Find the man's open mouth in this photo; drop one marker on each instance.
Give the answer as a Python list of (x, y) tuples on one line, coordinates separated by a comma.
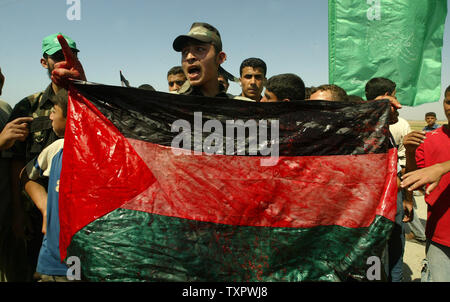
[(193, 71)]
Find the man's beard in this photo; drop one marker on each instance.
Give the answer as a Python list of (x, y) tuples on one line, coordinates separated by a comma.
[(49, 71)]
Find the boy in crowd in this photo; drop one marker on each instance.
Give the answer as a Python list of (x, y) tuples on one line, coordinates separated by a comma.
[(284, 88), (48, 164), (430, 118)]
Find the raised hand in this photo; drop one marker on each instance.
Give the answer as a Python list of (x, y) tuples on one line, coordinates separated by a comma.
[(395, 105), (413, 139), (70, 68)]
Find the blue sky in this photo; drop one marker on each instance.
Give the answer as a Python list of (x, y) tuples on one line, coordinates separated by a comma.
[(136, 36)]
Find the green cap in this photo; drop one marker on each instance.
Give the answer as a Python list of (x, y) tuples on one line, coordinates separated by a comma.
[(50, 44), (202, 32)]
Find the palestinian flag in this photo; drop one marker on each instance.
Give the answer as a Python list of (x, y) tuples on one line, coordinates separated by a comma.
[(137, 202)]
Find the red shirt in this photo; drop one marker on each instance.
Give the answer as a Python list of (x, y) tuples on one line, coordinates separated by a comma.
[(436, 149)]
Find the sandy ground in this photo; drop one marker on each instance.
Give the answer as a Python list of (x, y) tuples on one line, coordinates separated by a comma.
[(414, 252)]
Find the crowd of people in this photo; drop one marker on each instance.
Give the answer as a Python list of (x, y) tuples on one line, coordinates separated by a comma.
[(32, 138)]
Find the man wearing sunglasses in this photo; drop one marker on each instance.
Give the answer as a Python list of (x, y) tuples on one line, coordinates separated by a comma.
[(27, 220)]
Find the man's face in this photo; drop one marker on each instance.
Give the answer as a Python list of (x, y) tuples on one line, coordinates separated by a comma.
[(2, 80), (200, 62), (447, 106), (176, 81), (252, 82), (431, 120), (324, 95), (58, 121), (269, 97)]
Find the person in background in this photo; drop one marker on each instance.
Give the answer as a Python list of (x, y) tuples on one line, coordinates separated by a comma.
[(328, 93), (147, 87), (284, 88), (430, 118), (399, 130), (223, 81), (378, 89), (252, 79), (175, 78)]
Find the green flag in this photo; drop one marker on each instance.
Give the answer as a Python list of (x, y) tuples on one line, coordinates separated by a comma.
[(396, 39)]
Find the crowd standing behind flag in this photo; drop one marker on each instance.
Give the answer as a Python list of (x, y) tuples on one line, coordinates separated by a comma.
[(199, 75)]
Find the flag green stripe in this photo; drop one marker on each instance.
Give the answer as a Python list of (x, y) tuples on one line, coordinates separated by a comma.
[(127, 245)]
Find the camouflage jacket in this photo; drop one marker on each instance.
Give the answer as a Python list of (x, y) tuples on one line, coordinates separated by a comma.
[(38, 106), (187, 89)]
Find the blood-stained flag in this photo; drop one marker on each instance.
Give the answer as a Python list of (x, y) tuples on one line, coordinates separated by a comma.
[(144, 199)]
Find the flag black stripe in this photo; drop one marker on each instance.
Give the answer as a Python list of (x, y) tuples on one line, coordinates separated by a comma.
[(305, 127)]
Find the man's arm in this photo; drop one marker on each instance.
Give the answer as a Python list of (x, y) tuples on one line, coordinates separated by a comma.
[(18, 211), (411, 142), (38, 195), (429, 175)]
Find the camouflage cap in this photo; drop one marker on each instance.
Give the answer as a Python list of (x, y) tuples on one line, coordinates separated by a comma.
[(50, 44), (202, 32)]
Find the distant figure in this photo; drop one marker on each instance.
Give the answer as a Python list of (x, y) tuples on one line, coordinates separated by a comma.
[(175, 78), (147, 87), (430, 118), (328, 93), (284, 88)]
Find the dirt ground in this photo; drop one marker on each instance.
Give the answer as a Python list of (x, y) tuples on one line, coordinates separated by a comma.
[(414, 252)]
